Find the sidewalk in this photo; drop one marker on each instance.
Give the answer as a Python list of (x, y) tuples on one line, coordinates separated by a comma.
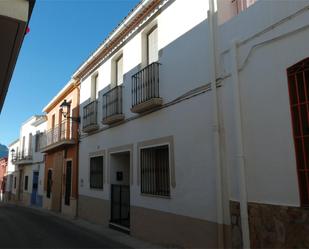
[(101, 230)]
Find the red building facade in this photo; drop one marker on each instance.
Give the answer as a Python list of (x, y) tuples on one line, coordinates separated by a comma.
[(3, 166)]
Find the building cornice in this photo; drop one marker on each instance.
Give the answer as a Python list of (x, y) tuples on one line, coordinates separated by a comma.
[(14, 142), (68, 88), (119, 35)]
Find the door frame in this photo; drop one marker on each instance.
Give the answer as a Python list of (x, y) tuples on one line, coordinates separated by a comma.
[(118, 150), (32, 192), (65, 180)]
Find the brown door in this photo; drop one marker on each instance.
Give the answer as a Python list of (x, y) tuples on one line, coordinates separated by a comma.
[(57, 181)]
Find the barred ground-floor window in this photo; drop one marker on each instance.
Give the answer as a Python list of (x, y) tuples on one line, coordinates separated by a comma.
[(96, 172), (155, 172)]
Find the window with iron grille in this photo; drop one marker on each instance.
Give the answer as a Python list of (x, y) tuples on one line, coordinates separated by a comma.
[(298, 80), (26, 182), (155, 177), (96, 172)]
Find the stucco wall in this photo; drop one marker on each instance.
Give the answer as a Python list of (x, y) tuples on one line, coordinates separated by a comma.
[(267, 128)]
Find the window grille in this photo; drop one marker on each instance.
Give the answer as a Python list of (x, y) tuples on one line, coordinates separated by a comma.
[(298, 81), (96, 172), (155, 177)]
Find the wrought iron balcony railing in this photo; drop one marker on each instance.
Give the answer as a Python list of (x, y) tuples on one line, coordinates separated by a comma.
[(112, 106), (61, 132), (145, 88), (25, 155), (90, 117)]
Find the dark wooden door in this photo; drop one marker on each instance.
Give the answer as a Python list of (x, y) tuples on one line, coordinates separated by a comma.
[(68, 183)]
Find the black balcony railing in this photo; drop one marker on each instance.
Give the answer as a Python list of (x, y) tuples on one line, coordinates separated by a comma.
[(61, 132), (90, 114), (112, 102), (25, 155), (145, 84)]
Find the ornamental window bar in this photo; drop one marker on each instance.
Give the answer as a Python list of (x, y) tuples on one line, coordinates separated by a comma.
[(145, 84), (90, 114), (155, 176), (298, 82), (96, 172), (112, 102)]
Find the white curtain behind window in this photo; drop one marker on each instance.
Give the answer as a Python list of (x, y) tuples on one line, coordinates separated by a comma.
[(152, 46)]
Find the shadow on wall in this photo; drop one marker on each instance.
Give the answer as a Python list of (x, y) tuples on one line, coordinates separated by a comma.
[(182, 68)]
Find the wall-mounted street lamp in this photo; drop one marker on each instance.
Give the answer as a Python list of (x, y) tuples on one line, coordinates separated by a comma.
[(12, 153), (65, 107)]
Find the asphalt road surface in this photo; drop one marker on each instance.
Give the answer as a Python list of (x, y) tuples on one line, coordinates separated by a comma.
[(29, 228)]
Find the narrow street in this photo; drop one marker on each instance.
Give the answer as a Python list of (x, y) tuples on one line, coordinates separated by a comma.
[(28, 228)]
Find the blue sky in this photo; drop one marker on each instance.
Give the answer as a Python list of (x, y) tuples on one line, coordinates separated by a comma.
[(63, 33)]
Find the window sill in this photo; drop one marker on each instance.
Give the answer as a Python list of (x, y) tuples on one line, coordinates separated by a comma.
[(157, 196), (96, 189)]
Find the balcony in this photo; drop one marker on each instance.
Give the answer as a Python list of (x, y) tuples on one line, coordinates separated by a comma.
[(61, 135), (145, 89), (23, 157), (90, 116), (112, 106)]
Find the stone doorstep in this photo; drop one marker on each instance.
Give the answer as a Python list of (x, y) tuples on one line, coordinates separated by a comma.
[(109, 233)]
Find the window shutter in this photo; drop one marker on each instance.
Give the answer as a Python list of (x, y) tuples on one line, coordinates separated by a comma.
[(119, 70), (152, 42)]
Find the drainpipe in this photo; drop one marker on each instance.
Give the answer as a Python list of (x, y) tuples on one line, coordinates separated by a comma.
[(240, 158), (216, 128), (77, 151)]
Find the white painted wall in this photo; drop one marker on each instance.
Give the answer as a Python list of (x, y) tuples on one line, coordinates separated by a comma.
[(14, 146), (183, 45), (30, 127), (11, 166), (194, 192), (183, 54), (120, 162), (268, 136), (33, 125), (169, 31)]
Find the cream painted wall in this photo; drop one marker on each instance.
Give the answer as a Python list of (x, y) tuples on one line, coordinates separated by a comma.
[(71, 96)]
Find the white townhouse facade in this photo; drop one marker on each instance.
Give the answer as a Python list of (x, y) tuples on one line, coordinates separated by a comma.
[(28, 177), (140, 124), (9, 187), (194, 124)]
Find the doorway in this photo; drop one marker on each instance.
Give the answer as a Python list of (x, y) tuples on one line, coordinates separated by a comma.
[(120, 189), (57, 181), (35, 181), (68, 183), (20, 192)]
